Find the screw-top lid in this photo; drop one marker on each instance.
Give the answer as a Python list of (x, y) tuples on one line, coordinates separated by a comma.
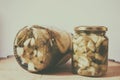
[(90, 28)]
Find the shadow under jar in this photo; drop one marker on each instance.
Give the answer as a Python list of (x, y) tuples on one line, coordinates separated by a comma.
[(90, 51)]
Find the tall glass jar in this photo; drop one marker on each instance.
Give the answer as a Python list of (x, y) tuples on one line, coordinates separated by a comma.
[(90, 51)]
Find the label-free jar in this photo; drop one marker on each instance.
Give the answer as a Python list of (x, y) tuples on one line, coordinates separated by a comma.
[(40, 49), (90, 51)]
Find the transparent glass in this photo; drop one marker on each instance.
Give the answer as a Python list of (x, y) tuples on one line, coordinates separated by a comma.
[(39, 49), (90, 53)]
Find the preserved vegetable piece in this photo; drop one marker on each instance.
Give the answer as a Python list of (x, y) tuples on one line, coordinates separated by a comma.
[(19, 51), (90, 51), (83, 62), (91, 45)]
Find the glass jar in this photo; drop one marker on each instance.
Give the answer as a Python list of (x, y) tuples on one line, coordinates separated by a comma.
[(90, 51), (40, 49)]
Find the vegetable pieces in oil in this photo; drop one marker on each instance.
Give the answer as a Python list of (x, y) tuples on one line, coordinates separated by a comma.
[(90, 54)]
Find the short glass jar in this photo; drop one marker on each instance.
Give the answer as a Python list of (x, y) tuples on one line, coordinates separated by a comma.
[(40, 49), (90, 51)]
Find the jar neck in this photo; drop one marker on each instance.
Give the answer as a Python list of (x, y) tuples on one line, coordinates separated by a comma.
[(99, 33)]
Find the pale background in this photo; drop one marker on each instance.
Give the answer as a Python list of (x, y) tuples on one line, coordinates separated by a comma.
[(64, 14)]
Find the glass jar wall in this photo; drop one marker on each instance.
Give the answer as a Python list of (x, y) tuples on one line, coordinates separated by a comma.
[(90, 51)]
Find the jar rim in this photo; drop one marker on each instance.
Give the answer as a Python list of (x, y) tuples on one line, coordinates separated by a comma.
[(90, 28)]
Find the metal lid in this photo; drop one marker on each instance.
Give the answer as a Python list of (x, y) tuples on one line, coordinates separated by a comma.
[(90, 28)]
